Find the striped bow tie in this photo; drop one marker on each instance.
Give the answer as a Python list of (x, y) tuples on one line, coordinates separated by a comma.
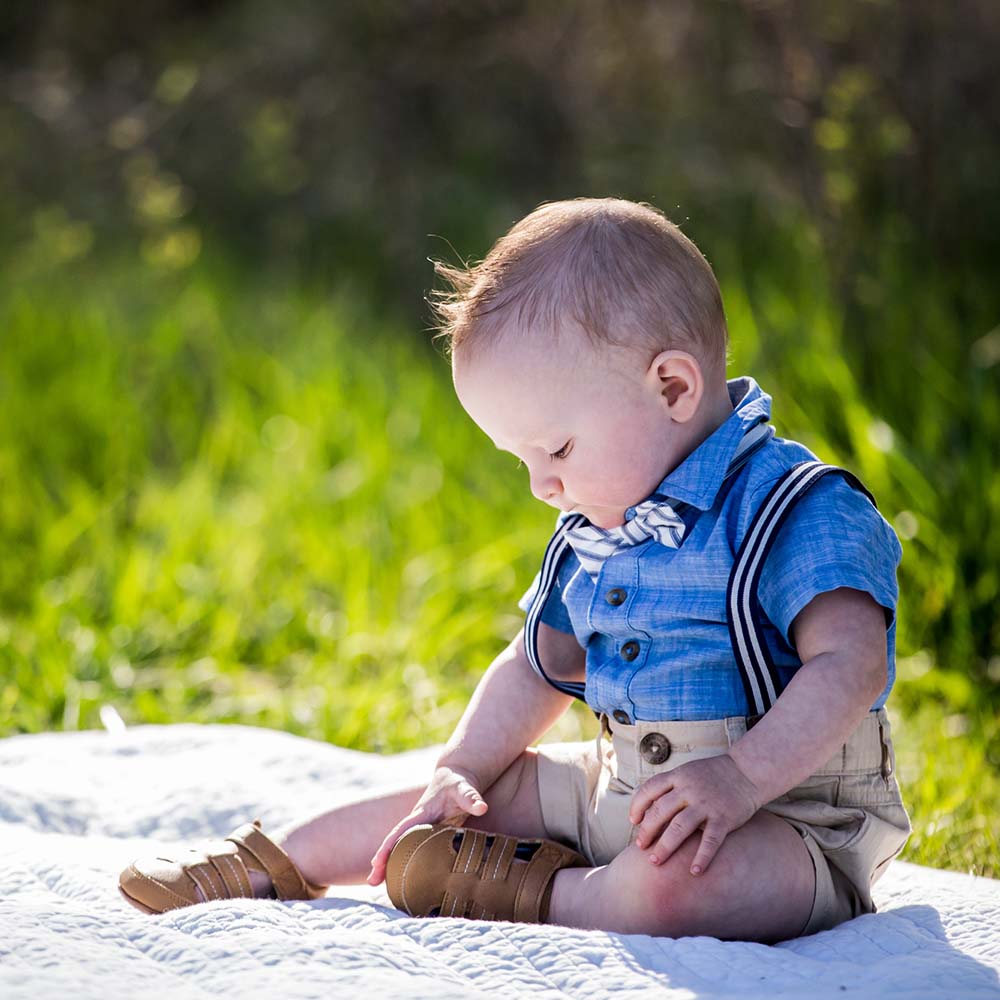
[(654, 518)]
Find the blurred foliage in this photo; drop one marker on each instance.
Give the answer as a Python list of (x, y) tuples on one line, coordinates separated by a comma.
[(223, 504), (339, 135), (327, 141), (246, 501), (234, 484)]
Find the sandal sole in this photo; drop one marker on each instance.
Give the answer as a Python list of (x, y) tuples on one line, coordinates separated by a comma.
[(139, 906)]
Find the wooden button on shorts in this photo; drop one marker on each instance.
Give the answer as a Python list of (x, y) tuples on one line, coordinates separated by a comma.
[(849, 813)]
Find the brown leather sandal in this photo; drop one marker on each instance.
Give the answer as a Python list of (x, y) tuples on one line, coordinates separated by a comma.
[(219, 868), (447, 871)]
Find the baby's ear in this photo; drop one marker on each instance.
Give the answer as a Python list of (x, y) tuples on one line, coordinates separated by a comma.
[(677, 377)]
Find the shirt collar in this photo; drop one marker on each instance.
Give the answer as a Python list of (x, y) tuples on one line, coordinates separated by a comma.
[(697, 480)]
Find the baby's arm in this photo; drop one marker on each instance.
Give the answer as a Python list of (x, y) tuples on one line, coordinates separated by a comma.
[(840, 637), (511, 708)]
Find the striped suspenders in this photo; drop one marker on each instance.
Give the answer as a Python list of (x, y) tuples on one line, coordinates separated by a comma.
[(760, 676), (554, 553)]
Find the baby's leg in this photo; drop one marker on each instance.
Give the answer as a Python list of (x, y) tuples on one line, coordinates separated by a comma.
[(759, 888), (335, 848)]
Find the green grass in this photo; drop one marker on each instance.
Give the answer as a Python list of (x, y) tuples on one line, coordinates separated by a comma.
[(232, 500)]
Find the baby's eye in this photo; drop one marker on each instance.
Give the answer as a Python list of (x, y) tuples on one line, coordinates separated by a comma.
[(563, 451)]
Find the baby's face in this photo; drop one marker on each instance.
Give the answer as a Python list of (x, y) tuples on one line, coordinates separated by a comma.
[(589, 423)]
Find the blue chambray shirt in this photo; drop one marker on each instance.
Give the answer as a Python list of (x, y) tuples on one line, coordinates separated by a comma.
[(675, 605)]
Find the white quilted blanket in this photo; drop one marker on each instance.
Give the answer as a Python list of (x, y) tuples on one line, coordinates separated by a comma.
[(74, 808)]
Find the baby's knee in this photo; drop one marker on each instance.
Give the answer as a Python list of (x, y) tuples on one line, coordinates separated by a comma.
[(514, 805), (673, 901), (512, 781)]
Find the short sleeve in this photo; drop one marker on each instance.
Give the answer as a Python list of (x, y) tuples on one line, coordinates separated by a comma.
[(555, 612), (834, 537)]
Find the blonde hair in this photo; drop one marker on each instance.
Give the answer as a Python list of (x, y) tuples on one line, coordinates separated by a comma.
[(620, 269)]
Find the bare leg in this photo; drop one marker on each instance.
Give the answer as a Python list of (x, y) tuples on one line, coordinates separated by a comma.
[(335, 848), (759, 888)]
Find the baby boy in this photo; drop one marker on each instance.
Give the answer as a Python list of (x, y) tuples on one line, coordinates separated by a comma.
[(721, 600)]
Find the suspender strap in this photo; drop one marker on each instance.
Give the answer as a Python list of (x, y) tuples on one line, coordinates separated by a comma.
[(555, 552), (760, 676)]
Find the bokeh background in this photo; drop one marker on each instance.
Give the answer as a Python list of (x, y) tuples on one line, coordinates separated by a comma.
[(234, 484)]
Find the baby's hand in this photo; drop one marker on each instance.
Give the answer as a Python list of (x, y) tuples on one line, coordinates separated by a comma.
[(450, 797), (712, 793)]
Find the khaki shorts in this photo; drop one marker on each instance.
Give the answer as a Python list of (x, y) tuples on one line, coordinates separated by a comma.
[(849, 813)]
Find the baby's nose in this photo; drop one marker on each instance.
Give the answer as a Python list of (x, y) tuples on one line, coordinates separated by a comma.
[(546, 487)]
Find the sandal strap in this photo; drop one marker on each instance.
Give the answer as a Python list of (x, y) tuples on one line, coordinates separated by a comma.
[(234, 874), (493, 865), (531, 904), (482, 878), (219, 875), (458, 906), (471, 854), (287, 880), (455, 906)]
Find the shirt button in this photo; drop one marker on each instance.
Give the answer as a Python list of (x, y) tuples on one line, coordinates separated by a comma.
[(616, 596), (630, 650), (655, 748), (619, 715)]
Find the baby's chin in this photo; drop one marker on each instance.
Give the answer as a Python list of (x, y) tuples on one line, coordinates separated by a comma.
[(600, 517), (606, 522), (603, 517)]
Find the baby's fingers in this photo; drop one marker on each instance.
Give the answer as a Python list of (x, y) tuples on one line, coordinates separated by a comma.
[(683, 824), (711, 841), (465, 800), (381, 856), (469, 800), (646, 794)]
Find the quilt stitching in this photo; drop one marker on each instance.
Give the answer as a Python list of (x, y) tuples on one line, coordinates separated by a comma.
[(62, 920)]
